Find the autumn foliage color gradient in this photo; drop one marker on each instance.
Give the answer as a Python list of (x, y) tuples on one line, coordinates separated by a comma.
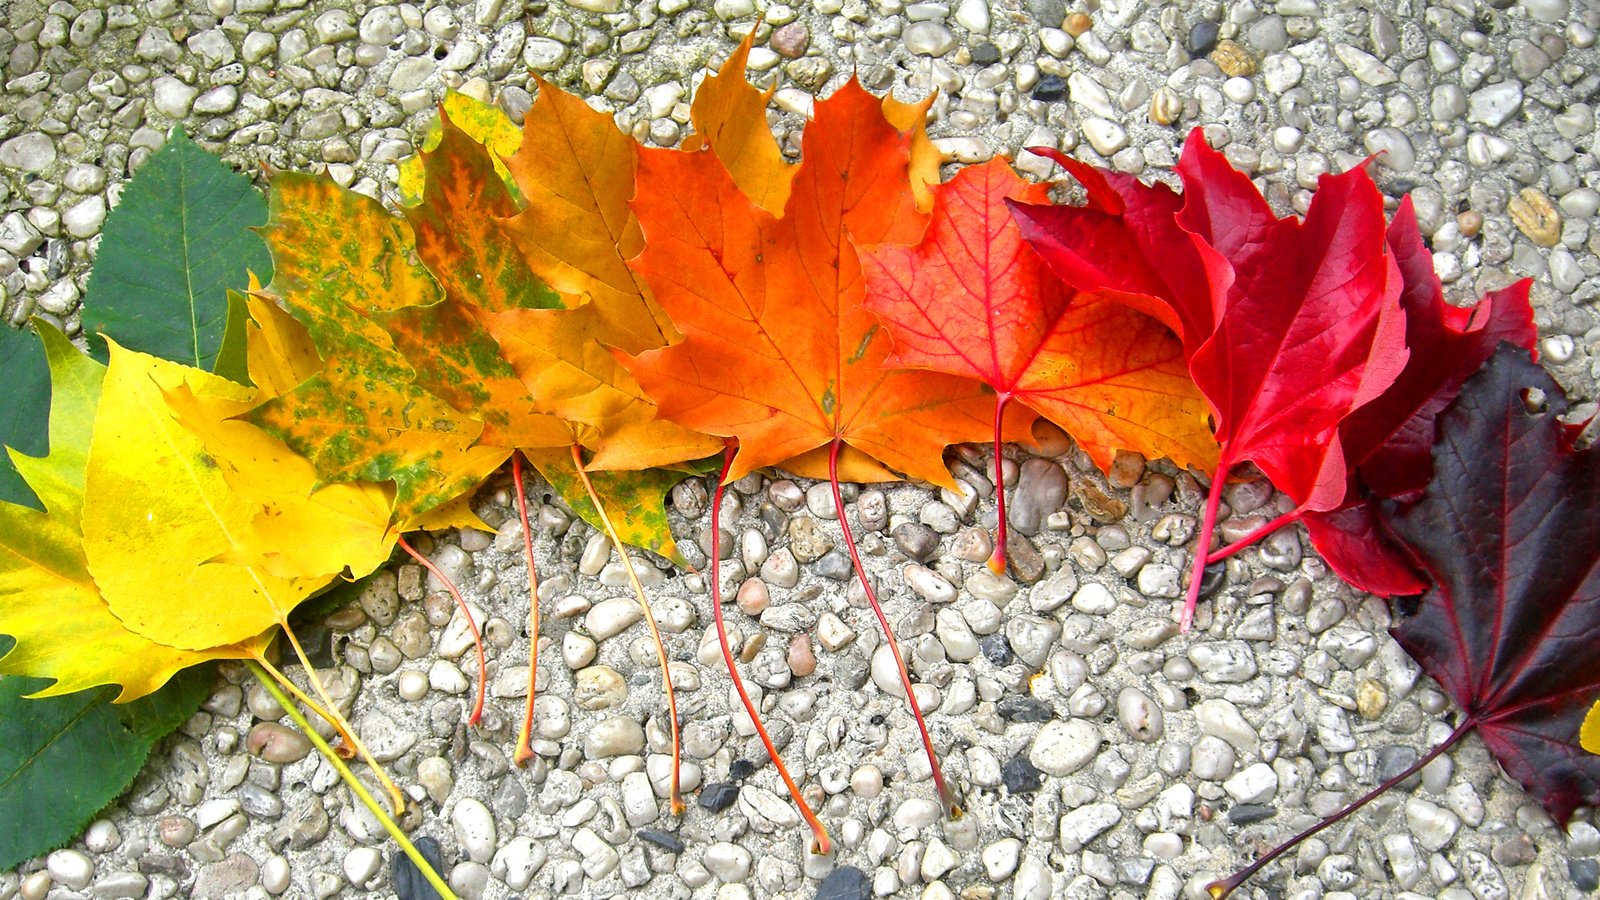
[(619, 317)]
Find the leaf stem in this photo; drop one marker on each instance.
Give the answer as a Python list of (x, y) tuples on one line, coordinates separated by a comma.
[(1208, 524), (819, 834), (477, 638), (330, 714), (676, 797), (524, 750), (1219, 890), (350, 779), (1256, 534), (997, 560), (946, 796)]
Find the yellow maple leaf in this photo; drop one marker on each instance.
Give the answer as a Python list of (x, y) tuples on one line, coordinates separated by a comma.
[(48, 601), (1591, 729), (165, 516)]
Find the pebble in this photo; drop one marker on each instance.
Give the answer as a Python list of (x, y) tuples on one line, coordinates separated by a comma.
[(31, 151), (1062, 748), (1020, 775), (1106, 137), (277, 743), (728, 862), (1086, 823), (719, 796), (70, 868), (474, 829), (1433, 826), (1041, 489), (615, 736), (845, 883), (1493, 106), (1534, 215), (1139, 715), (1369, 69), (928, 39)]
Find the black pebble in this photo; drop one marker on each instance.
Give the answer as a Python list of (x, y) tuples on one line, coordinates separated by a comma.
[(661, 839), (996, 649), (1215, 574), (407, 879), (1023, 709), (1021, 776), (986, 54), (1585, 874), (1203, 37), (1050, 87), (741, 769), (1245, 813), (718, 797), (846, 883)]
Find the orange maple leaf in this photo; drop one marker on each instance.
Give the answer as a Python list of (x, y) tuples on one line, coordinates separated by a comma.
[(777, 349)]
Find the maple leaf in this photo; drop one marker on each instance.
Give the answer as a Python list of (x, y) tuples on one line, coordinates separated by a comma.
[(1387, 441), (777, 349), (1126, 244), (1591, 729), (49, 602), (165, 514), (485, 123), (971, 299), (729, 116), (1306, 324), (577, 232), (458, 239), (339, 256), (1508, 535)]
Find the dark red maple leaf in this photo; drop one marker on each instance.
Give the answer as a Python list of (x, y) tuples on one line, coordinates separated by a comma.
[(1509, 533)]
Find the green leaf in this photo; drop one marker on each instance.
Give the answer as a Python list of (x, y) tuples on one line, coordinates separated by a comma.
[(25, 415), (170, 250), (233, 357), (63, 759)]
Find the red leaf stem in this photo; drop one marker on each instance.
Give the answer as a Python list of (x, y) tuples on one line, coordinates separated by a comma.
[(477, 639), (946, 796)]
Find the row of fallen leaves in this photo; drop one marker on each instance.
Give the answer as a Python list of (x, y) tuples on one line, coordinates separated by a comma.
[(615, 315)]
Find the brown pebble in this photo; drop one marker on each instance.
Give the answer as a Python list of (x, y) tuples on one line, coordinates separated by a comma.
[(1126, 470), (1101, 506), (754, 598), (1077, 24), (1536, 217), (1233, 59), (752, 648), (1469, 223), (790, 40), (277, 743), (347, 619), (802, 661), (176, 831)]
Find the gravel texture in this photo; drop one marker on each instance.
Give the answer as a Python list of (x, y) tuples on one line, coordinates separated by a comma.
[(1100, 753)]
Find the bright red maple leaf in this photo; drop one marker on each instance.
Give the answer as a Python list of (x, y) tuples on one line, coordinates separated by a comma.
[(1387, 442), (1305, 315)]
